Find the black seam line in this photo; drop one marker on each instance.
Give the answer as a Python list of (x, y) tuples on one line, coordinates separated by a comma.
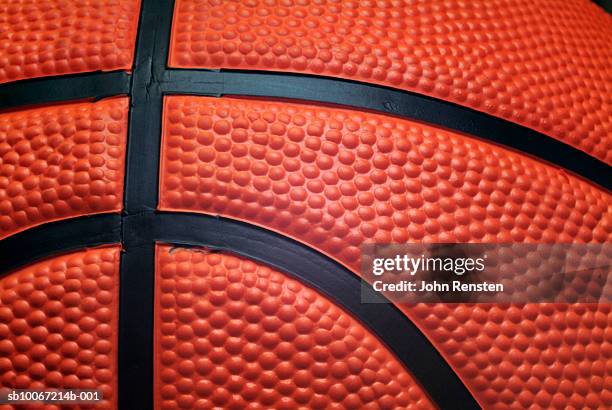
[(398, 333), (606, 5), (140, 232), (140, 225), (73, 87), (301, 87), (396, 102), (136, 294), (53, 238), (144, 130)]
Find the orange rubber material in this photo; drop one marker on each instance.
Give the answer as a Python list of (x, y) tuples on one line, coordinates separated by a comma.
[(335, 178), (232, 334), (540, 63), (58, 325), (61, 161), (546, 356), (55, 37)]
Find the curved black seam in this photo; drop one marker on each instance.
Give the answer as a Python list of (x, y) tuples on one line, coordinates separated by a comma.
[(306, 264), (141, 226), (606, 5), (151, 78), (404, 104), (63, 236), (138, 225), (66, 88), (140, 233)]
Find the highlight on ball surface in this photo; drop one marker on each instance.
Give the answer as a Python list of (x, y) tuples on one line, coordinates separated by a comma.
[(290, 204)]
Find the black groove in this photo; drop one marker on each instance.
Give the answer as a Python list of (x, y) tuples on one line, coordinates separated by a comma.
[(391, 101), (140, 226), (604, 4), (151, 79), (402, 337), (146, 106), (38, 91), (58, 237), (135, 344)]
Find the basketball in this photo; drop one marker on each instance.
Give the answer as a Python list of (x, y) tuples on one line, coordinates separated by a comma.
[(305, 204)]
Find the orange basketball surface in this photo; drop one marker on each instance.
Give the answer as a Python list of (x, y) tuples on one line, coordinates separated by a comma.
[(231, 333), (335, 179), (544, 64), (58, 324), (162, 319), (61, 161), (54, 37)]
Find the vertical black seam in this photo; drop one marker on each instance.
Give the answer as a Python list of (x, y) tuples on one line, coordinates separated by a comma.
[(139, 219), (135, 344), (393, 328), (136, 306)]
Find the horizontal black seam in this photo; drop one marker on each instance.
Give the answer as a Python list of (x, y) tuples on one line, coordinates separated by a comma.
[(74, 87), (53, 238), (307, 88), (403, 104)]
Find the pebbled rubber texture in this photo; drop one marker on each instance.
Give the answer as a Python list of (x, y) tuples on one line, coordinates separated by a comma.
[(230, 333), (61, 161), (58, 325), (334, 179), (55, 37), (543, 64), (551, 356)]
